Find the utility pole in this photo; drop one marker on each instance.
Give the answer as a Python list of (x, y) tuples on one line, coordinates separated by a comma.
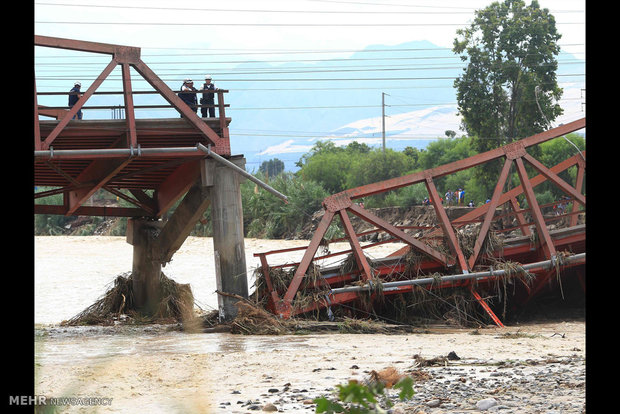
[(383, 117)]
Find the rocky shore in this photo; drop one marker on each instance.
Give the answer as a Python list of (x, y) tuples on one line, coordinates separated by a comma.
[(551, 386)]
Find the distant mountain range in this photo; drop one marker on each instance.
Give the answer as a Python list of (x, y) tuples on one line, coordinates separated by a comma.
[(282, 110), (284, 118)]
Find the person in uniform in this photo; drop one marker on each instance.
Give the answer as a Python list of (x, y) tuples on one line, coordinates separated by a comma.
[(188, 96), (74, 96), (208, 98)]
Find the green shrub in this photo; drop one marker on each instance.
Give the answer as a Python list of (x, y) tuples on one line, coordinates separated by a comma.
[(355, 397)]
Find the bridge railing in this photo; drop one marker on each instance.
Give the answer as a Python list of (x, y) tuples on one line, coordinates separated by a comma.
[(127, 58), (59, 111)]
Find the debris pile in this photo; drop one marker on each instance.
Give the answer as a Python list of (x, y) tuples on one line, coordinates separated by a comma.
[(253, 320), (176, 304)]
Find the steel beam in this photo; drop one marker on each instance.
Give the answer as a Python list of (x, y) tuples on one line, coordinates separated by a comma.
[(37, 130), (486, 223), (284, 307), (555, 179), (444, 222), (84, 46), (100, 211), (525, 229), (541, 228), (394, 231), (129, 109), (360, 259), (581, 169)]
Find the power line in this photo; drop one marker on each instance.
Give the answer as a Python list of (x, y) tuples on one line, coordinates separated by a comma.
[(237, 52), (187, 24), (264, 108), (306, 69), (463, 10), (309, 79), (212, 10)]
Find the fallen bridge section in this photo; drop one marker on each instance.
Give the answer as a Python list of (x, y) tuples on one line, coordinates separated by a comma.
[(445, 250)]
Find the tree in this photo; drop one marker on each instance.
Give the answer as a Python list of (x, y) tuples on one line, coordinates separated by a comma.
[(414, 154), (511, 51), (377, 166), (272, 167), (330, 165)]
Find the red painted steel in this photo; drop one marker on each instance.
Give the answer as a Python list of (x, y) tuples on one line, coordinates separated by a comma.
[(155, 180), (526, 250)]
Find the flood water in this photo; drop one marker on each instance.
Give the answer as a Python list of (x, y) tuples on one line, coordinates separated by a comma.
[(82, 344), (160, 369), (73, 272)]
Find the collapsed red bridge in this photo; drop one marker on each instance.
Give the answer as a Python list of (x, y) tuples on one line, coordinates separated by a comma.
[(539, 251)]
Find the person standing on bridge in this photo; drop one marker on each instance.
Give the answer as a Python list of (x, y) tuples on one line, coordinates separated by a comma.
[(74, 96), (188, 95), (208, 98)]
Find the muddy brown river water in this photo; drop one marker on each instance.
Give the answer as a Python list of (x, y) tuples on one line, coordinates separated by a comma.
[(158, 369)]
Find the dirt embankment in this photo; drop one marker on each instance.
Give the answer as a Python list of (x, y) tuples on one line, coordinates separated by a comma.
[(397, 216)]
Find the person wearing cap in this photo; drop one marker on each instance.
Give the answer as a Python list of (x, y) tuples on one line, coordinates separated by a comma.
[(208, 98), (188, 96), (74, 95)]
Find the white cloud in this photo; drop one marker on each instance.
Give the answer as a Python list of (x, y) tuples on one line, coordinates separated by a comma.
[(285, 147)]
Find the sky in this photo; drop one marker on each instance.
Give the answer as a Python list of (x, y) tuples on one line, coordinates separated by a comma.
[(182, 38), (276, 24)]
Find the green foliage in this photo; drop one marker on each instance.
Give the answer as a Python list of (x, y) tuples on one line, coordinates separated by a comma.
[(50, 224), (354, 397), (511, 51), (329, 169), (330, 166), (444, 151), (375, 166), (268, 216), (272, 167)]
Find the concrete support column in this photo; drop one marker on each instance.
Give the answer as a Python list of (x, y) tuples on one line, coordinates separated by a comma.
[(228, 243), (146, 269)]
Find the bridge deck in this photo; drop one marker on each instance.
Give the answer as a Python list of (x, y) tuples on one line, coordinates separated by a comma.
[(77, 164)]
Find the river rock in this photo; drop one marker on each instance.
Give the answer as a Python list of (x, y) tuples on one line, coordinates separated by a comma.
[(433, 403), (485, 404), (269, 407)]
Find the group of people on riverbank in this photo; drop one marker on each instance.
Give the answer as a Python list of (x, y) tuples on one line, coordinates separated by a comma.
[(456, 197), (452, 198)]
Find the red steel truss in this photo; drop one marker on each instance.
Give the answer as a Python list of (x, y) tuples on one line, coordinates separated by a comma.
[(157, 160), (548, 243)]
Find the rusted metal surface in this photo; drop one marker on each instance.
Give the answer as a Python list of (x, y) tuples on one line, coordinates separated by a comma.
[(524, 249), (156, 160)]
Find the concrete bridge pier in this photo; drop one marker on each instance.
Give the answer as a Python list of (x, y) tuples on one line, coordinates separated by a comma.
[(154, 242), (228, 240), (146, 268)]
